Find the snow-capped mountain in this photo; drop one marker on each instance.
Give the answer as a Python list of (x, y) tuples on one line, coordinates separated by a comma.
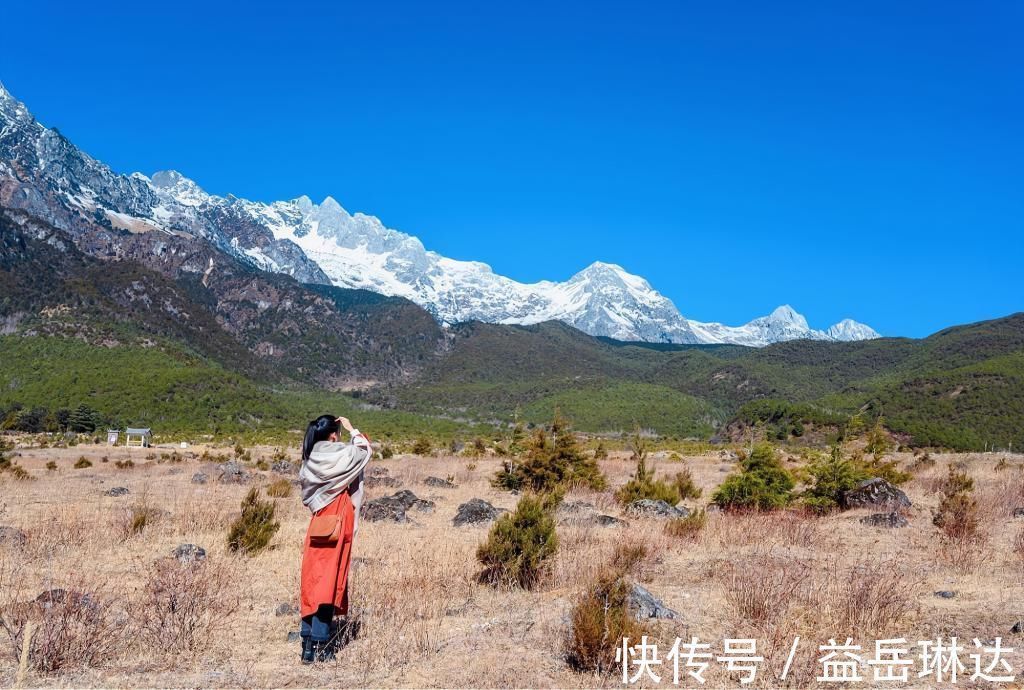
[(43, 172)]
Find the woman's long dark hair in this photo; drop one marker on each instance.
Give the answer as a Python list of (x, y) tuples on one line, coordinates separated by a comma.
[(319, 430)]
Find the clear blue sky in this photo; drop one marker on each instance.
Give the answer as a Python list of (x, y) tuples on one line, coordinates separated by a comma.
[(853, 159)]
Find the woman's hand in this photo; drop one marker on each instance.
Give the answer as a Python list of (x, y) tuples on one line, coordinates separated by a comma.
[(345, 424)]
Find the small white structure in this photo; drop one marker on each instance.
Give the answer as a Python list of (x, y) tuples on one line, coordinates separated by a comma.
[(112, 435), (142, 437)]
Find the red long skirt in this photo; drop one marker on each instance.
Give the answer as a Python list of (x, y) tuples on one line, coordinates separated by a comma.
[(325, 568)]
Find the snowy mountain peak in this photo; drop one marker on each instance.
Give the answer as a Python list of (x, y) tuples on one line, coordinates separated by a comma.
[(172, 184), (849, 330), (787, 316)]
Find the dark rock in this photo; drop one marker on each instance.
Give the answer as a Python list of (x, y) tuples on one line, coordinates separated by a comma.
[(647, 507), (283, 467), (873, 493), (377, 471), (233, 473), (189, 553), (199, 478), (575, 507), (12, 536), (64, 597), (373, 481), (1018, 512), (383, 509), (609, 521), (286, 609), (394, 507), (116, 491), (888, 520), (1017, 628), (645, 605), (945, 594), (475, 511), (294, 636), (439, 483)]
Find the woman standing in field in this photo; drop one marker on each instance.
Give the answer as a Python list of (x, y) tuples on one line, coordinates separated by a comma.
[(332, 488)]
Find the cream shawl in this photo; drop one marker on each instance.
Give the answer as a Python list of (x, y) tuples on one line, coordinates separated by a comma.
[(334, 467)]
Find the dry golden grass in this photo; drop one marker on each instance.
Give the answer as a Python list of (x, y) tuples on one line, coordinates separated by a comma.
[(425, 618)]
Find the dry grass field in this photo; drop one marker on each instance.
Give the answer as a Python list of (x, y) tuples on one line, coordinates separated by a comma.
[(148, 621)]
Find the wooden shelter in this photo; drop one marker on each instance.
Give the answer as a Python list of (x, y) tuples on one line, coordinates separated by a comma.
[(138, 437)]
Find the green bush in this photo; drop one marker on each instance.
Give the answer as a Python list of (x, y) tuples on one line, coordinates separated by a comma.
[(553, 461), (82, 463), (831, 476), (685, 486), (762, 483), (520, 542), (252, 531), (421, 446)]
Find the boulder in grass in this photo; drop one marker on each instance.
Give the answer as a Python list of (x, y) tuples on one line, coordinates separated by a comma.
[(887, 520), (377, 471), (12, 536), (439, 483), (646, 606), (199, 478), (609, 521), (286, 609), (373, 481), (383, 509), (283, 467), (394, 507), (476, 511), (875, 493), (233, 473), (116, 491), (189, 553), (646, 507)]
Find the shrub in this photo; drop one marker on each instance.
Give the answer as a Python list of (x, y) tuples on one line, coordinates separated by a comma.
[(601, 617), (762, 483), (520, 542), (184, 606), (421, 446), (252, 531), (82, 463), (957, 514), (70, 629), (51, 466), (387, 452), (124, 464), (832, 476), (553, 461), (19, 472), (687, 527), (685, 486), (261, 464), (887, 470), (644, 485), (600, 453), (137, 518), (279, 488)]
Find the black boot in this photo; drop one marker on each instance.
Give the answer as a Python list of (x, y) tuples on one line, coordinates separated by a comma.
[(307, 650), (320, 650)]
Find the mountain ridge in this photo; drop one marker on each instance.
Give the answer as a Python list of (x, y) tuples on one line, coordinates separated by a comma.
[(324, 244)]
